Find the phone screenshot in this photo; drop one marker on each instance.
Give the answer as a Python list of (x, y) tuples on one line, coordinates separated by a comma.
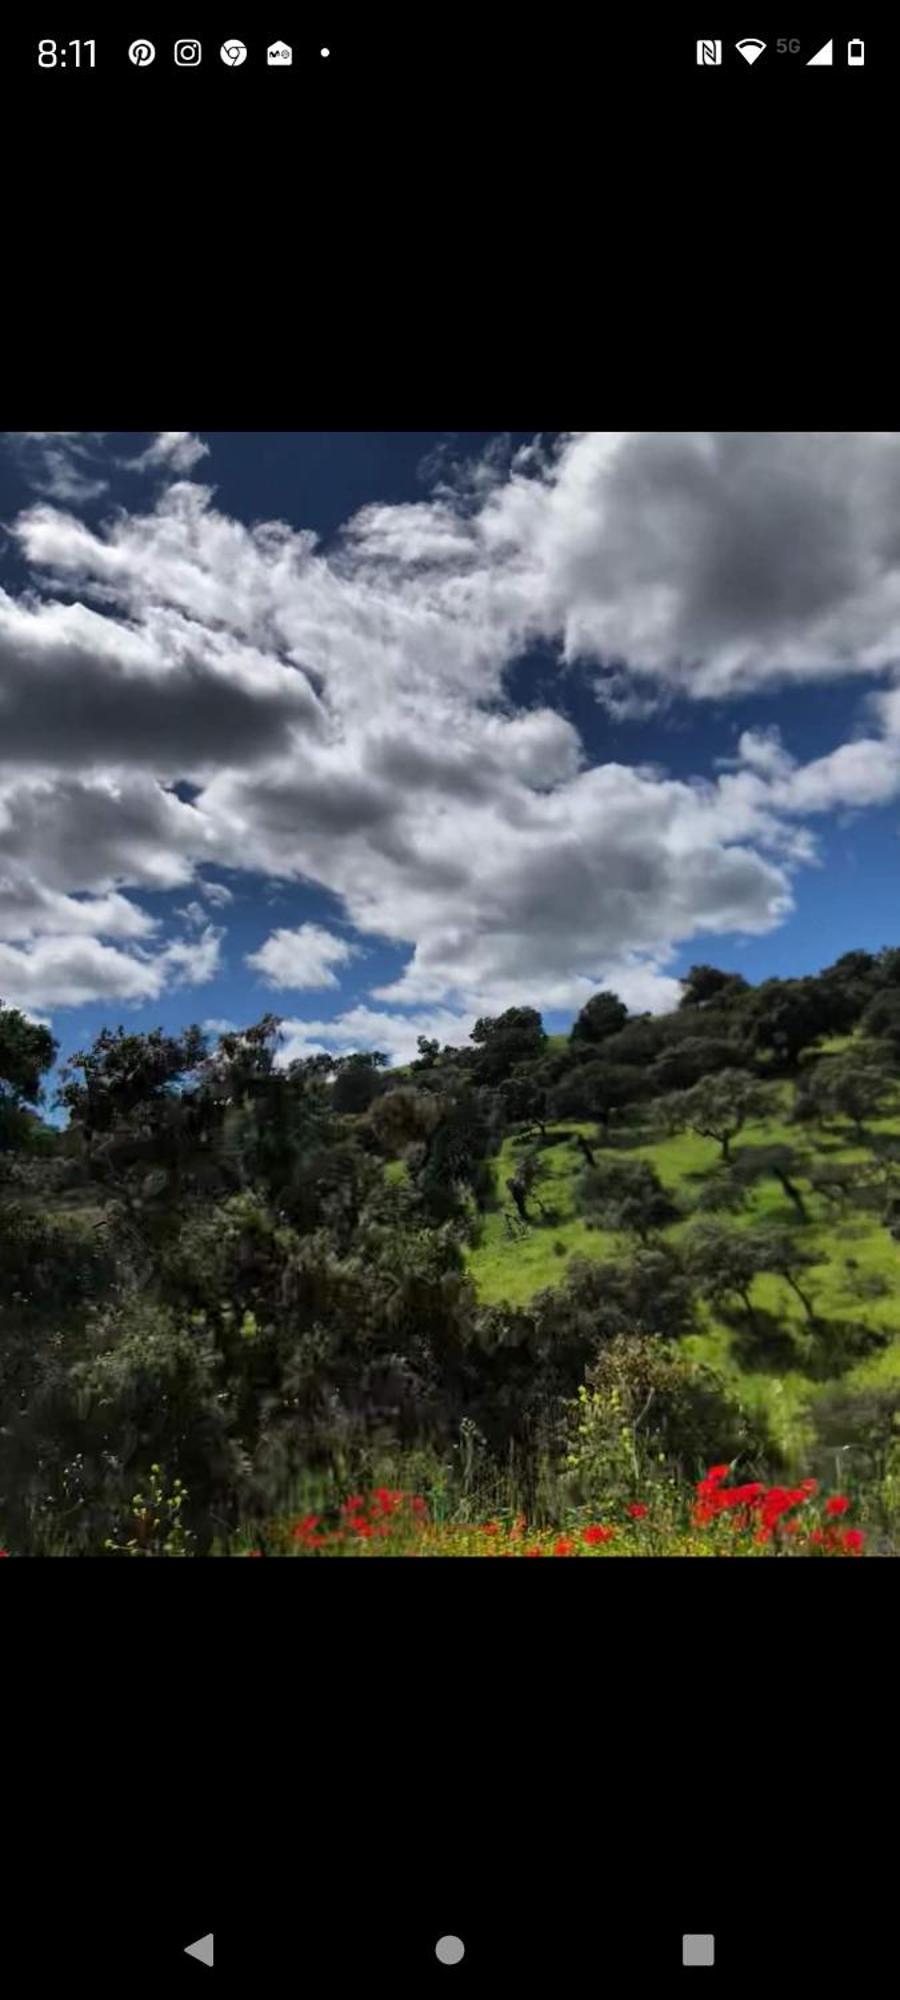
[(449, 1005)]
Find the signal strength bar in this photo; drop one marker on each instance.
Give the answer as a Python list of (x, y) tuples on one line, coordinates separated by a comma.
[(824, 59)]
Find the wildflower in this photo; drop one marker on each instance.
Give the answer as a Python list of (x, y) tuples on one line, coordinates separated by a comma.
[(490, 1528), (354, 1505), (249, 1552), (777, 1501), (715, 1475), (534, 1552), (305, 1527), (637, 1510), (564, 1547), (763, 1535), (838, 1504), (594, 1535), (831, 1539)]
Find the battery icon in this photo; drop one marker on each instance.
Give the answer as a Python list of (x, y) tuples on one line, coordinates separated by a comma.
[(856, 53)]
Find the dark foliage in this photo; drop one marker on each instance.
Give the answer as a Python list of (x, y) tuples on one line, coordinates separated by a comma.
[(603, 1015)]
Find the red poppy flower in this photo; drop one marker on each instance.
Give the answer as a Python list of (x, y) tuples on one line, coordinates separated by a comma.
[(637, 1510), (594, 1535), (250, 1552), (716, 1474), (305, 1527), (853, 1541), (490, 1528), (777, 1501), (564, 1547), (354, 1504), (838, 1504), (534, 1552)]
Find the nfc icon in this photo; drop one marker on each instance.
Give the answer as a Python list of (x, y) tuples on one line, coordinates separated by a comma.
[(709, 54)]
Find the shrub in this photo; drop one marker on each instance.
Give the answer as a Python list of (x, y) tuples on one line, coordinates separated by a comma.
[(644, 1406)]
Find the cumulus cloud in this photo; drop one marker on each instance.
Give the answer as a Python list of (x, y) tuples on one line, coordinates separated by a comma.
[(343, 717), (762, 750), (31, 909), (365, 1028), (192, 962), (300, 958), (717, 561), (78, 687), (171, 451), (69, 971)]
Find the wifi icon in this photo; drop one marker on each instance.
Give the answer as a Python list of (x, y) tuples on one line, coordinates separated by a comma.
[(750, 48)]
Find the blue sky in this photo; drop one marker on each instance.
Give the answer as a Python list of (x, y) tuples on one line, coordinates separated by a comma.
[(382, 731)]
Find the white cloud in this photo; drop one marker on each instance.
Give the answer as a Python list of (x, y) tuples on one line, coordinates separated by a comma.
[(216, 893), (30, 909), (300, 958), (62, 465), (164, 693), (174, 451), (193, 961), (714, 561), (762, 750), (193, 913), (70, 971), (365, 1028)]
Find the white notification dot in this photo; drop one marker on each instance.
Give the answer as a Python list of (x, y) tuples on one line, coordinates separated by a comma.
[(324, 52), (449, 1950)]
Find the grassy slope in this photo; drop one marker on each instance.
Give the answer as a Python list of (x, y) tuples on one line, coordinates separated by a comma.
[(514, 1269)]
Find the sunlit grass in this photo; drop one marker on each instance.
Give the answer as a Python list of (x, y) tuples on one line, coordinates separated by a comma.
[(854, 1253)]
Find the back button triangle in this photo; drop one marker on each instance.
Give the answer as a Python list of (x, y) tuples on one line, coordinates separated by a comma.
[(202, 1949)]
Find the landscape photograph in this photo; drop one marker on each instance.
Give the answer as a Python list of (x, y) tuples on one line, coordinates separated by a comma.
[(450, 994)]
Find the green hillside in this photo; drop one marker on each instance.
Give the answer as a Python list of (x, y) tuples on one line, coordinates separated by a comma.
[(854, 1283)]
